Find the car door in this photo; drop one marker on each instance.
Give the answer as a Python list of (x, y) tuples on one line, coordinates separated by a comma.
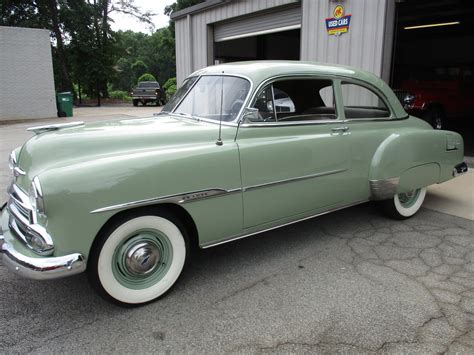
[(295, 155), (370, 119)]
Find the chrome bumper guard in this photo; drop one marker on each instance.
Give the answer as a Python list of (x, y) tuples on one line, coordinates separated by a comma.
[(41, 268), (460, 169)]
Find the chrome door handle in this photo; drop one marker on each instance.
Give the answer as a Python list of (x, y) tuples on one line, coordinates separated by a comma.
[(340, 129)]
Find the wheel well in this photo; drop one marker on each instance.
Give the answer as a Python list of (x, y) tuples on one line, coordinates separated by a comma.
[(175, 210)]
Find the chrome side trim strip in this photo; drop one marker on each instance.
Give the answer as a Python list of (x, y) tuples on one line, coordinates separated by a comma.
[(284, 181), (383, 189), (53, 127), (203, 194), (241, 236), (178, 198)]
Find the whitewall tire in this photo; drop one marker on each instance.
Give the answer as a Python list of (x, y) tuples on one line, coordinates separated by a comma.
[(405, 205), (138, 259)]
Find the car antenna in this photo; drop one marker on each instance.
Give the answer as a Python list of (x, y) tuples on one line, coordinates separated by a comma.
[(219, 139)]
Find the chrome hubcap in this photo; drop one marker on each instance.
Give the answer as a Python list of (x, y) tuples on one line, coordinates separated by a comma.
[(142, 258)]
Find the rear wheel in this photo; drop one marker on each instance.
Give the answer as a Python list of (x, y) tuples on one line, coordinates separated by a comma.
[(405, 205), (135, 102), (138, 259)]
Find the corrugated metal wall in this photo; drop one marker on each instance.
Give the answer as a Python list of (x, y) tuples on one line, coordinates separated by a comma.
[(361, 47), (264, 23), (190, 57)]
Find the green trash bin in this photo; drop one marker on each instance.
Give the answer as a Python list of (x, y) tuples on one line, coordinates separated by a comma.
[(64, 103)]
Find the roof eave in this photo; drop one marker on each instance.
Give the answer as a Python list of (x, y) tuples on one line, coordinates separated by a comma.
[(197, 8)]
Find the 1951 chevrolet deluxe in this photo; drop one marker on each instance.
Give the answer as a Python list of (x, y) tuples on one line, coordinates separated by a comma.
[(240, 149)]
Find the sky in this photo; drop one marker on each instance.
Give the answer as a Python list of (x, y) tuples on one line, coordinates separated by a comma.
[(124, 22)]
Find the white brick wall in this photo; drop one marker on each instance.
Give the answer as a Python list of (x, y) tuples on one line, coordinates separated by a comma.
[(26, 74)]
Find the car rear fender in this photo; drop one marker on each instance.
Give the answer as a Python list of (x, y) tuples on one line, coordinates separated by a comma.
[(411, 159)]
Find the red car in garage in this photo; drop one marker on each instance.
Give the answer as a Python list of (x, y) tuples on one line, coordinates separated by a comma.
[(439, 94)]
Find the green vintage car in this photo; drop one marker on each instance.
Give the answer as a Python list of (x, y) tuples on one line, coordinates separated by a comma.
[(127, 201)]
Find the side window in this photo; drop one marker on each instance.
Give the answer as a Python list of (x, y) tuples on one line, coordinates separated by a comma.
[(360, 102), (302, 99)]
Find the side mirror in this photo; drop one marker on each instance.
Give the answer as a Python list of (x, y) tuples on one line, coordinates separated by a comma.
[(250, 114)]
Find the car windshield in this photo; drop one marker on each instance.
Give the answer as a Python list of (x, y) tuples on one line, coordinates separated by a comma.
[(215, 96), (179, 94)]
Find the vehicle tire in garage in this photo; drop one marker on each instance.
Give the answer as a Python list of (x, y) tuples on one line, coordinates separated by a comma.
[(405, 205), (138, 258), (435, 117), (135, 102)]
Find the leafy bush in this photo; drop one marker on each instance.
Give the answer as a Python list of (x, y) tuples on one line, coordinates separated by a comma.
[(170, 87), (146, 77), (120, 95)]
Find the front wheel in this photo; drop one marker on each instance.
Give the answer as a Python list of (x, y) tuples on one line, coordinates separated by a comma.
[(405, 205), (138, 259)]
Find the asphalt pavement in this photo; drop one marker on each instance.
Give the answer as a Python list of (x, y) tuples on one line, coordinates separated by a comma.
[(350, 281)]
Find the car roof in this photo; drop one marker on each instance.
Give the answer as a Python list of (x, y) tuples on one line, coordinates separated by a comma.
[(259, 71)]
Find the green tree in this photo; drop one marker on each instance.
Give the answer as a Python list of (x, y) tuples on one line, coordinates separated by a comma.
[(139, 68), (179, 5), (146, 77)]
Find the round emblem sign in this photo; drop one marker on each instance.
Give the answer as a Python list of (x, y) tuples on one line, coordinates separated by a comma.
[(338, 11)]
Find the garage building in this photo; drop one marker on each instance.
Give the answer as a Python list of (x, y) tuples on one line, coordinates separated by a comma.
[(398, 40)]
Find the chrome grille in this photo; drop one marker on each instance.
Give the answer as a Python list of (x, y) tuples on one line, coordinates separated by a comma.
[(21, 201), (22, 221)]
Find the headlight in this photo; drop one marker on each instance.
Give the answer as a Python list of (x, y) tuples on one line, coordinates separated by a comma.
[(12, 161), (36, 196), (38, 244)]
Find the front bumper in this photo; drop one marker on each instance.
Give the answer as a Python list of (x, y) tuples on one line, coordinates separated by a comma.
[(40, 268)]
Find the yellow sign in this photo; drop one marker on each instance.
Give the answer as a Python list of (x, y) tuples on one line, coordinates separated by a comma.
[(338, 11)]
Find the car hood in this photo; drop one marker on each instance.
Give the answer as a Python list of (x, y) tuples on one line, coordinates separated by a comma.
[(69, 146)]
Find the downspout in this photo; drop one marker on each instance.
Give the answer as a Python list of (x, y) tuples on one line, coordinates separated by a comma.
[(190, 45)]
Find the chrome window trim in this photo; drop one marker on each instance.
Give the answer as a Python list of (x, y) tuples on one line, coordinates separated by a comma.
[(245, 235), (224, 123), (186, 94), (303, 76), (376, 91), (297, 123)]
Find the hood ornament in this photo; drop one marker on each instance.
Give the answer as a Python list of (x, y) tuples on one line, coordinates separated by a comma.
[(54, 127)]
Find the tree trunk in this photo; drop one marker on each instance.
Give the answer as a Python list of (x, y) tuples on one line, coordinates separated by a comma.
[(66, 84)]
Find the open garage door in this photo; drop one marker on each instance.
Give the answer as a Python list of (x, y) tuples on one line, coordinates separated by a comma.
[(433, 63), (270, 35)]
